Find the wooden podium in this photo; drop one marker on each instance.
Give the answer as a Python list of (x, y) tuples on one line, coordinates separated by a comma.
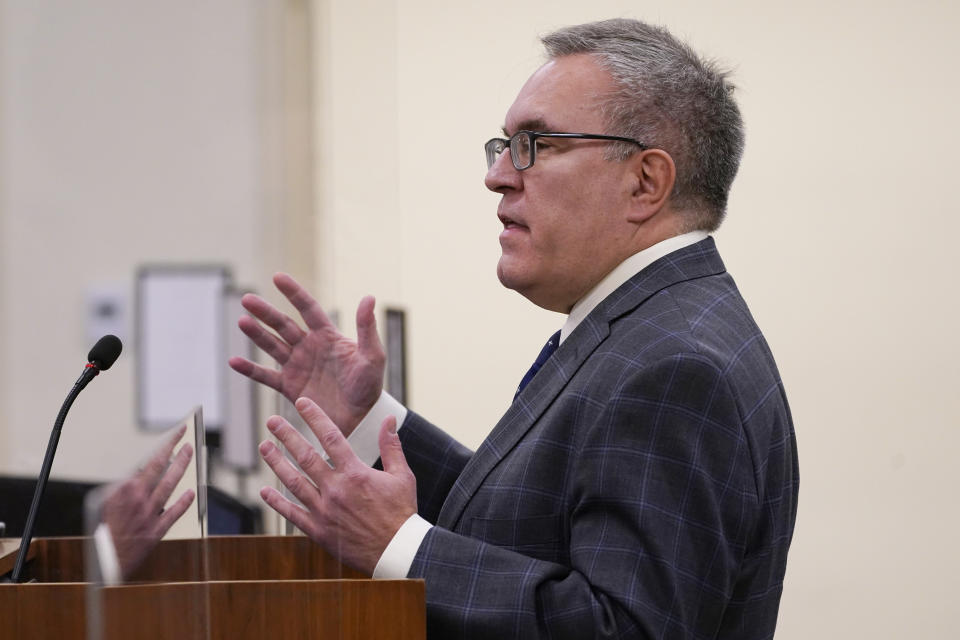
[(231, 587)]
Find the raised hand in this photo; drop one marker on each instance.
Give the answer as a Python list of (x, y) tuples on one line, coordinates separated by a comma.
[(350, 509), (342, 376)]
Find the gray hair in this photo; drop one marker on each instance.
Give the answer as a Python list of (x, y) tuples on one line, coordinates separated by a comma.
[(669, 98)]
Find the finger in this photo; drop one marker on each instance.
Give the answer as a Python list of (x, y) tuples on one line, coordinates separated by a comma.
[(309, 460), (172, 513), (292, 479), (160, 460), (271, 344), (256, 372), (269, 315), (329, 434), (310, 310), (171, 477), (368, 340), (391, 452), (292, 512)]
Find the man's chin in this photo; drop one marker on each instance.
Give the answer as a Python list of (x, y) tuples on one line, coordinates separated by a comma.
[(519, 283), (508, 277)]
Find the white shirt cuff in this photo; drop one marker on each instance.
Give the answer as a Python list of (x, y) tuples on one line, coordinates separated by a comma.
[(365, 439), (397, 558), (107, 555)]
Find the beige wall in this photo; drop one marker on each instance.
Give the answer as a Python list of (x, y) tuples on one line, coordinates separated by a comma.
[(161, 132), (839, 233)]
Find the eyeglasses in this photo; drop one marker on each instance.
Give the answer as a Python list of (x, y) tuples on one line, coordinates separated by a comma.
[(523, 146)]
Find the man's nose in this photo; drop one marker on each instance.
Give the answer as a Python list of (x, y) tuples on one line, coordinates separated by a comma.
[(502, 175)]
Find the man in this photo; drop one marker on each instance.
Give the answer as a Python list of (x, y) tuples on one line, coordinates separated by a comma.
[(644, 481)]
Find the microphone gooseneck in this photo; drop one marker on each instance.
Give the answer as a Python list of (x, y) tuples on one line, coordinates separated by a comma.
[(101, 357)]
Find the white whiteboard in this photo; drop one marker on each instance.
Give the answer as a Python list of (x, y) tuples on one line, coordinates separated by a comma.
[(181, 347)]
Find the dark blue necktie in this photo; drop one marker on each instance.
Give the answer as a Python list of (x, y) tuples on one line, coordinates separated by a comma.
[(545, 354)]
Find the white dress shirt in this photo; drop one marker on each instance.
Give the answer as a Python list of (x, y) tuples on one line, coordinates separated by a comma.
[(397, 558)]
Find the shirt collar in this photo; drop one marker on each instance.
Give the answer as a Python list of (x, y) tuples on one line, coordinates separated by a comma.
[(623, 272)]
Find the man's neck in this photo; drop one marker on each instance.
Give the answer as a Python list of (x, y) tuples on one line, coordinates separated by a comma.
[(623, 272)]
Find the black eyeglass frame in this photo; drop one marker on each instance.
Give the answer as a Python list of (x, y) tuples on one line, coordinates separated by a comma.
[(492, 150)]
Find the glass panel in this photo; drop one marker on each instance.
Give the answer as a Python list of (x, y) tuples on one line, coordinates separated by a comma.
[(147, 574), (317, 564)]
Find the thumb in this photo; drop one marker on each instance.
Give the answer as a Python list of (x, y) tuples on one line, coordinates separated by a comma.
[(368, 340), (391, 452)]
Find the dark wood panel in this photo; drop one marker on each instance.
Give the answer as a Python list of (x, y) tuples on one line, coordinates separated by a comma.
[(344, 609), (272, 558), (48, 560), (42, 611), (258, 595)]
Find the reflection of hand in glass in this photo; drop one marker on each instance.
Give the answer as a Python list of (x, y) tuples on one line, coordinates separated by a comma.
[(134, 511)]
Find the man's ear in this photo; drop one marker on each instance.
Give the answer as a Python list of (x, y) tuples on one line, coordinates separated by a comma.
[(654, 174)]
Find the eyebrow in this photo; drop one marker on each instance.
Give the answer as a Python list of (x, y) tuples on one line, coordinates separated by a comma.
[(535, 124)]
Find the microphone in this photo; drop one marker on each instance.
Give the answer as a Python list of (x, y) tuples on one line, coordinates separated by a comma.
[(105, 352), (101, 357)]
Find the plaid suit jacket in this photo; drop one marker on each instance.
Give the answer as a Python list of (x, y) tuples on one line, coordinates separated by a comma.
[(643, 485)]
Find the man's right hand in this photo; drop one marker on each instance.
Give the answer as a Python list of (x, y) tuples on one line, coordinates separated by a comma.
[(343, 377)]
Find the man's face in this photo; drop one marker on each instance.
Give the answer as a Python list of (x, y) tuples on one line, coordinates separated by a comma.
[(564, 217)]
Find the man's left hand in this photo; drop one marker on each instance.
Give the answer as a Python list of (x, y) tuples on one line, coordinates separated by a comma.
[(351, 510)]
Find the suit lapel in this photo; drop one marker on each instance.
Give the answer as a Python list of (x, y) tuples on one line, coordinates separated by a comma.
[(520, 417), (695, 261)]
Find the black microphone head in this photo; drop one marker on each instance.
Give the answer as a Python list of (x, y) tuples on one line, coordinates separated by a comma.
[(105, 352)]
